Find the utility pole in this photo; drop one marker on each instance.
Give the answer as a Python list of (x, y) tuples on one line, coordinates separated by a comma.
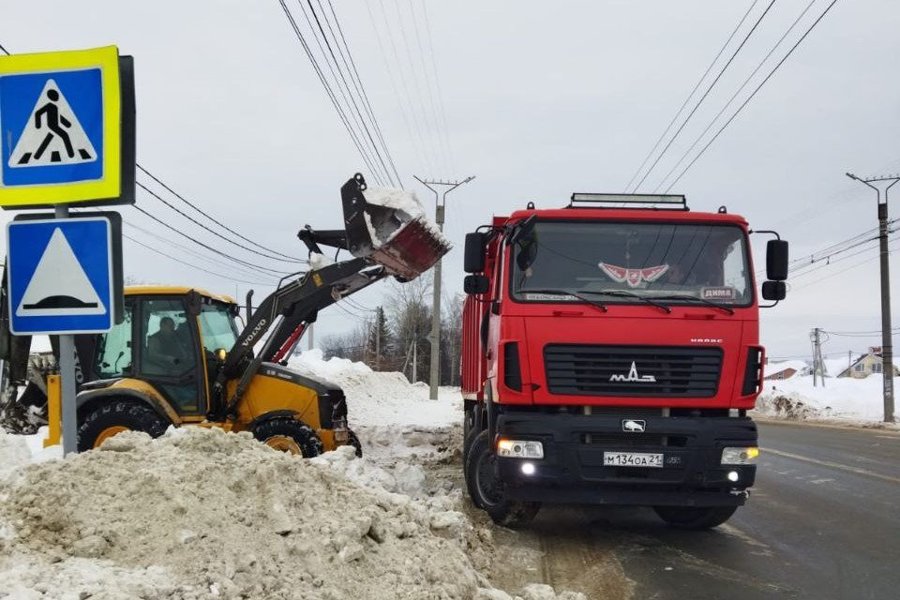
[(818, 361), (378, 340), (440, 200), (887, 348)]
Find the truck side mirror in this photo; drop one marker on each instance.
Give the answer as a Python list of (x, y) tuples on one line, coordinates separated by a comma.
[(777, 260), (476, 284), (473, 261), (774, 290)]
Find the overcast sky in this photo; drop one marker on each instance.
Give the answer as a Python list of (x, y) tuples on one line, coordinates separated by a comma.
[(541, 99)]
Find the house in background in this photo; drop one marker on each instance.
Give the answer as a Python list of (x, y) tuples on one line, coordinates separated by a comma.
[(865, 365), (785, 369)]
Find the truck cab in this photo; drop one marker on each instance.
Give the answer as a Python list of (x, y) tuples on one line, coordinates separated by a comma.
[(610, 355)]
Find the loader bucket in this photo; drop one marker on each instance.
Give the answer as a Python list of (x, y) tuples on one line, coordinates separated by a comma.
[(389, 227)]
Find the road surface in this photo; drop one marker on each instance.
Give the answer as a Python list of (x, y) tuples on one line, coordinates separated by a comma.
[(823, 522)]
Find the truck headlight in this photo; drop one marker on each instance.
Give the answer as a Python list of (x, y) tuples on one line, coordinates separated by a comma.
[(739, 456), (519, 448)]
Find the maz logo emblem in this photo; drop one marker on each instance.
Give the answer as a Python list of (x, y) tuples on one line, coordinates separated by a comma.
[(634, 426), (633, 376)]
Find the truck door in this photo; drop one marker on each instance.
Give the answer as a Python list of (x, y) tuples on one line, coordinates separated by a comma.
[(169, 353)]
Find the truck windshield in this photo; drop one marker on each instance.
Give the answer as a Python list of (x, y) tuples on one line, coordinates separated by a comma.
[(664, 262)]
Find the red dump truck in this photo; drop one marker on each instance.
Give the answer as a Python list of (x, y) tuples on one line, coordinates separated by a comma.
[(610, 353)]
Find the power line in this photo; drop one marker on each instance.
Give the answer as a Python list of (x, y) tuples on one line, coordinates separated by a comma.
[(691, 95), (378, 175), (203, 226), (331, 96), (193, 266), (412, 70), (361, 120), (187, 249), (735, 95), (208, 247), (440, 133), (365, 95), (437, 82), (414, 131), (750, 97), (853, 266), (213, 219), (705, 94)]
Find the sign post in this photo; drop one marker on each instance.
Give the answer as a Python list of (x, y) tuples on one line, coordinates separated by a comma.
[(66, 139)]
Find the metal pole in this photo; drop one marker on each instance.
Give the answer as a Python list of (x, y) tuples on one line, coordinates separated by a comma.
[(887, 349), (310, 333), (67, 376), (435, 336)]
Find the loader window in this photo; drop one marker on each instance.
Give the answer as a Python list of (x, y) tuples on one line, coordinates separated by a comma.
[(169, 352), (114, 349), (217, 327)]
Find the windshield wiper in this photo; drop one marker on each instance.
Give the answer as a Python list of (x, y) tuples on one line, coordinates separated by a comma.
[(727, 309), (624, 294), (578, 295)]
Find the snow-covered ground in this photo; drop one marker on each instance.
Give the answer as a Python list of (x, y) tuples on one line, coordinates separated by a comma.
[(200, 514), (841, 399)]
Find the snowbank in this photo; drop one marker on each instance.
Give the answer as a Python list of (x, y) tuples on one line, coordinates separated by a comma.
[(382, 398), (841, 399), (203, 514), (224, 516)]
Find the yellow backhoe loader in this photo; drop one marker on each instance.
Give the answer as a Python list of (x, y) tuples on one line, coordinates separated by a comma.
[(179, 358)]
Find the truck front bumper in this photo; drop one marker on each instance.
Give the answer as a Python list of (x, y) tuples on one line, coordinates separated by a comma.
[(574, 469)]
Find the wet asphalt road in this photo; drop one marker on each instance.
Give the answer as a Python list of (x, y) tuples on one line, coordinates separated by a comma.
[(823, 522)]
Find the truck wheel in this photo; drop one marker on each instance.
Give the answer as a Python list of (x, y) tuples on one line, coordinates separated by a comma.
[(289, 435), (487, 492), (109, 418), (353, 440), (689, 517)]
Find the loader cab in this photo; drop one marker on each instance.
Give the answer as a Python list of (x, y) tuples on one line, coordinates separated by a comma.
[(169, 338)]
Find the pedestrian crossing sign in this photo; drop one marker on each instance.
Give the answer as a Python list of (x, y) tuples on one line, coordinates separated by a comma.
[(60, 121)]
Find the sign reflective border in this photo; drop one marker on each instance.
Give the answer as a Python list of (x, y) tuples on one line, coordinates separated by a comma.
[(60, 127)]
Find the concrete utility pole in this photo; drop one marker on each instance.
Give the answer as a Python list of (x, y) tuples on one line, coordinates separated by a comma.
[(818, 361), (887, 348), (435, 336)]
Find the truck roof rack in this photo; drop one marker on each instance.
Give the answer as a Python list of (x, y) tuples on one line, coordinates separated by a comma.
[(654, 201)]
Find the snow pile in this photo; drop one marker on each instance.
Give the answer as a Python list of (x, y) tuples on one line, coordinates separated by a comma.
[(14, 453), (841, 399), (397, 199), (382, 398), (203, 514), (319, 261)]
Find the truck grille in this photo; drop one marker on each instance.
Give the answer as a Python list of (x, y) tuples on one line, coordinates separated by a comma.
[(646, 371)]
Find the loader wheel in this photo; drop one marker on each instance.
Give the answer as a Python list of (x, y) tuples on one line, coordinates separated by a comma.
[(353, 440), (487, 491), (689, 517), (289, 435), (111, 418)]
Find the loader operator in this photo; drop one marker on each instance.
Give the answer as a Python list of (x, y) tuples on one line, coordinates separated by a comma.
[(164, 346)]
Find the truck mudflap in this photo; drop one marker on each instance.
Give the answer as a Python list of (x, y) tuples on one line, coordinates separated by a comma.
[(585, 459)]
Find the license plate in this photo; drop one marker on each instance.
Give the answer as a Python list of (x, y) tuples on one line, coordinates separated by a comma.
[(632, 459)]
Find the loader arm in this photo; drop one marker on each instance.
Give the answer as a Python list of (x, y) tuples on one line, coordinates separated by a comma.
[(383, 241)]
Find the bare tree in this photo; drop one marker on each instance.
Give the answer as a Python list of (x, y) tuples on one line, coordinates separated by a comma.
[(409, 314), (451, 338)]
